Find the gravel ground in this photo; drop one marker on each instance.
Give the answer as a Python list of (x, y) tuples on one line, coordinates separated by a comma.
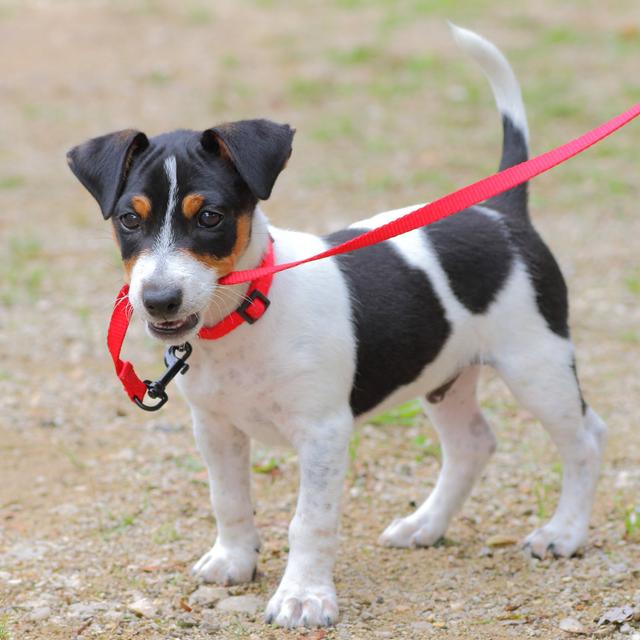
[(103, 509)]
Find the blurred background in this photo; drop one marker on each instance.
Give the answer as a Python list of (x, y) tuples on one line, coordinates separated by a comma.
[(101, 504)]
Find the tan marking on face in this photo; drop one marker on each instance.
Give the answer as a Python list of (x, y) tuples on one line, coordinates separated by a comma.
[(141, 205), (191, 205), (224, 266), (128, 264)]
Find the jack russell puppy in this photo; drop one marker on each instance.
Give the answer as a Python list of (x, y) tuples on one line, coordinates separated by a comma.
[(343, 338)]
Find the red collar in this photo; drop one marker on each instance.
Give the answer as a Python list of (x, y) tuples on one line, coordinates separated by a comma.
[(253, 308)]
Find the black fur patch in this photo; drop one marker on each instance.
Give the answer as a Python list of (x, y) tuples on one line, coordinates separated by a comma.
[(399, 322), (475, 252), (119, 165), (549, 285), (514, 151), (197, 171)]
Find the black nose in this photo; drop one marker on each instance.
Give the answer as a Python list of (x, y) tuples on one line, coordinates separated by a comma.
[(161, 302)]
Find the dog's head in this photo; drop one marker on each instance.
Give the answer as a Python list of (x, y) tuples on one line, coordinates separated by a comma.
[(182, 206)]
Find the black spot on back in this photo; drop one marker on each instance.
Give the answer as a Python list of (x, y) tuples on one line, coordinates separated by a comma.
[(475, 253), (399, 322)]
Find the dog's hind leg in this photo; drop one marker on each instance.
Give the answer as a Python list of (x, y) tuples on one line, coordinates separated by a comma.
[(467, 444), (544, 381), (225, 449)]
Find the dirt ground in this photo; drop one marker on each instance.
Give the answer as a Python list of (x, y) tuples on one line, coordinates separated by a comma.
[(102, 505)]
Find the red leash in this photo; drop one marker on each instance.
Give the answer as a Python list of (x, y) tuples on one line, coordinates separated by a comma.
[(261, 277), (458, 200)]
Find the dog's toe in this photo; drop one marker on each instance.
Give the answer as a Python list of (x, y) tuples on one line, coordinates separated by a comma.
[(554, 542), (406, 532), (226, 566), (297, 606)]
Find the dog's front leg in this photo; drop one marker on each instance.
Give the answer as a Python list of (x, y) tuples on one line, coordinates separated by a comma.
[(306, 595), (226, 451)]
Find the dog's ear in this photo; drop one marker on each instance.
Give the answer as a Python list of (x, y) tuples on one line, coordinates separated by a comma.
[(259, 150), (101, 164)]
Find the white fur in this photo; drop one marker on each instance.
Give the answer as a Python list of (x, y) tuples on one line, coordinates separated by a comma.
[(165, 238), (504, 84)]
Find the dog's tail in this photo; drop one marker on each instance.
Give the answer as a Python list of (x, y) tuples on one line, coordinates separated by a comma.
[(506, 91)]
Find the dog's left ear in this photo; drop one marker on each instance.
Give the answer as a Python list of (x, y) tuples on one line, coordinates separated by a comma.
[(259, 150), (101, 164)]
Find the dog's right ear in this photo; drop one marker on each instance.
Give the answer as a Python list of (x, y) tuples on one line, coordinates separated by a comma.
[(101, 164)]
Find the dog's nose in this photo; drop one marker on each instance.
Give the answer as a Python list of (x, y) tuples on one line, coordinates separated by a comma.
[(161, 302)]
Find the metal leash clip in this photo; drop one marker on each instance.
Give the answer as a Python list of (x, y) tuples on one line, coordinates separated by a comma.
[(175, 364)]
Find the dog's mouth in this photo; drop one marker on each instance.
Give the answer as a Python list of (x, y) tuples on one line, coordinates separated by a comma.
[(173, 328)]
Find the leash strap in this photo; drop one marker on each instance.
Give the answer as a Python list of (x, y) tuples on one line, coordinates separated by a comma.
[(118, 326), (253, 308), (458, 200)]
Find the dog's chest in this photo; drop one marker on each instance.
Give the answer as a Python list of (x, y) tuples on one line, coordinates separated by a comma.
[(237, 386)]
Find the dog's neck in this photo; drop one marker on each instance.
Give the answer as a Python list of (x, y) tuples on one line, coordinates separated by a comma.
[(227, 298)]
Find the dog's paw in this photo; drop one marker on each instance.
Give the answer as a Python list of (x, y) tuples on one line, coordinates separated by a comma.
[(554, 541), (405, 532), (226, 565), (303, 606)]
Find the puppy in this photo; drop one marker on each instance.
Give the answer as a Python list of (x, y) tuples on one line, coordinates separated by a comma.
[(343, 338)]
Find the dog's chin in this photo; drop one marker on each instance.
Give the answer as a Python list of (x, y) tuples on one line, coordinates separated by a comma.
[(174, 331)]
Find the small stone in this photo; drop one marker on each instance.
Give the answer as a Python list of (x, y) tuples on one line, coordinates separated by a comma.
[(571, 625), (422, 625), (143, 608), (616, 615), (5, 576), (84, 610), (39, 614), (485, 552), (498, 541), (207, 596), (210, 622), (240, 604)]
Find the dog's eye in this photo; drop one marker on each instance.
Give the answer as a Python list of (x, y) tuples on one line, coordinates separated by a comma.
[(130, 221), (209, 219)]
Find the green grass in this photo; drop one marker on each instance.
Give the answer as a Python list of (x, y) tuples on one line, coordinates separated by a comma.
[(632, 281), (335, 127), (307, 90), (189, 463), (120, 524), (4, 629), (166, 534), (22, 272), (359, 55), (632, 524), (72, 457), (354, 446), (199, 15), (267, 467), (11, 182), (406, 414), (427, 448), (158, 77)]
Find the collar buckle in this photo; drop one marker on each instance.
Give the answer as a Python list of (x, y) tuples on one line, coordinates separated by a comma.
[(248, 310), (175, 364)]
